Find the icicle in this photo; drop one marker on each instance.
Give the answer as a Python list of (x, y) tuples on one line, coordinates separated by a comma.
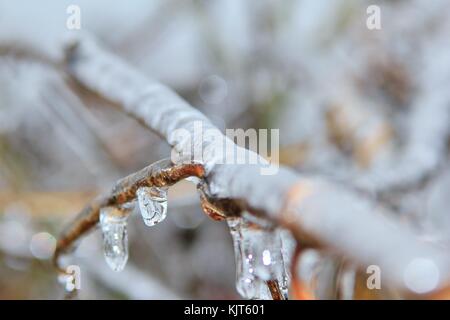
[(152, 204), (247, 284), (115, 237), (260, 269), (288, 246), (270, 264)]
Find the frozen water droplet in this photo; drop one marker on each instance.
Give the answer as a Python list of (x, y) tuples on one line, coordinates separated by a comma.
[(259, 260), (113, 222), (247, 284), (269, 264), (152, 204)]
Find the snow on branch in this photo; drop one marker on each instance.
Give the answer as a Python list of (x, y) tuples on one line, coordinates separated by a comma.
[(320, 213)]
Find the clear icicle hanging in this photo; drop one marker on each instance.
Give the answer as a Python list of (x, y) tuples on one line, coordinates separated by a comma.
[(247, 284), (270, 264), (260, 269), (152, 204), (288, 246), (113, 222)]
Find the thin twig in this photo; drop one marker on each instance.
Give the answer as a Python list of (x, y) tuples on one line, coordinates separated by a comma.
[(160, 174)]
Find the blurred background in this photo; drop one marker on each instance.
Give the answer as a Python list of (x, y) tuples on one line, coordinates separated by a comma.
[(366, 107)]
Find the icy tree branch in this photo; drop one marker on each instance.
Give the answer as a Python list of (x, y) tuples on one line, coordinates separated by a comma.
[(320, 213), (159, 174)]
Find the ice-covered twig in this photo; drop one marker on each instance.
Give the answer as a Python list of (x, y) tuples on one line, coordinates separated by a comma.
[(319, 213), (159, 174)]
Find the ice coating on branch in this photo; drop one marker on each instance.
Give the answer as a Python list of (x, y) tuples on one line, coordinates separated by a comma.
[(259, 260), (265, 195), (152, 204), (113, 224), (161, 108)]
